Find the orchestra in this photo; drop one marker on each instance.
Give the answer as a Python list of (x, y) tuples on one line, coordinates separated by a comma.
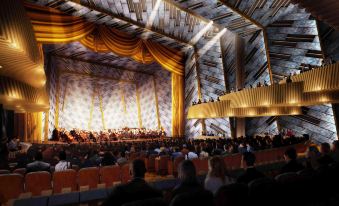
[(79, 135)]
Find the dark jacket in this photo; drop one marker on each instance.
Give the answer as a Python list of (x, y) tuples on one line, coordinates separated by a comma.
[(249, 175), (37, 166), (292, 166), (187, 187), (137, 189)]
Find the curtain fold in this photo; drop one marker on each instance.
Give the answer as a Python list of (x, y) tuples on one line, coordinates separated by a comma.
[(53, 26), (28, 126), (177, 105)]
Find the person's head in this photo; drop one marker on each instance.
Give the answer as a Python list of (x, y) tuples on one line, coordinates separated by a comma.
[(38, 156), (216, 167), (325, 148), (138, 168), (186, 171), (249, 159), (312, 151), (335, 145), (290, 154), (62, 155), (122, 154)]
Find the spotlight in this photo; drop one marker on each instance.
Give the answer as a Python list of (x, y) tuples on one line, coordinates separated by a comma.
[(210, 43), (153, 14)]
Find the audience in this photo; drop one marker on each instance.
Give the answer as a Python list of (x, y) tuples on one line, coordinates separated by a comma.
[(325, 157), (38, 164), (108, 159), (122, 159), (136, 189), (335, 151), (217, 175), (291, 158), (251, 173), (188, 180), (312, 157), (62, 164)]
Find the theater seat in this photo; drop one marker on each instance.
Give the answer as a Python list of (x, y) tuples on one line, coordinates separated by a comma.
[(88, 177), (109, 175), (150, 163), (125, 175), (11, 186), (64, 179), (161, 165), (36, 182), (71, 198), (147, 202), (92, 196), (2, 172), (21, 171), (176, 163)]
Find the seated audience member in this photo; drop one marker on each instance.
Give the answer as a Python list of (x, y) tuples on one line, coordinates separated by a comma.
[(217, 175), (122, 159), (251, 172), (292, 165), (335, 151), (62, 164), (188, 180), (176, 153), (312, 156), (108, 159), (325, 159), (192, 155), (38, 164), (13, 145), (235, 194), (136, 189), (196, 198)]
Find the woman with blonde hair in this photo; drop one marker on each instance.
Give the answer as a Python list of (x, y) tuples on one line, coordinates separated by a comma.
[(217, 175)]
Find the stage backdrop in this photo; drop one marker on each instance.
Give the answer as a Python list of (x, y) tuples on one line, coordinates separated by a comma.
[(93, 97)]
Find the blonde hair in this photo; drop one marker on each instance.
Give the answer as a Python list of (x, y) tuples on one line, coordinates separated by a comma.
[(216, 168)]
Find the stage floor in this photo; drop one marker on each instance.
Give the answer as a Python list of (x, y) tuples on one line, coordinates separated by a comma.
[(117, 141)]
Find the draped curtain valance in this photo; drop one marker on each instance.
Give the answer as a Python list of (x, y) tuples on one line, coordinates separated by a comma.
[(53, 26)]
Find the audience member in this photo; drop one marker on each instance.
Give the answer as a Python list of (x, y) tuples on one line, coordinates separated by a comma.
[(136, 189), (38, 164), (335, 151), (122, 159), (62, 164), (108, 159), (292, 165), (251, 173), (325, 159), (312, 157), (188, 180), (217, 175)]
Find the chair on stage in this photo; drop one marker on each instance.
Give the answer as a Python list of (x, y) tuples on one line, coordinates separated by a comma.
[(88, 177), (64, 179), (36, 182), (125, 175), (109, 175), (11, 186), (161, 165)]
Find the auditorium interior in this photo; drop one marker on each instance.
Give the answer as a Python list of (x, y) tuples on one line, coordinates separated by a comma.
[(169, 102)]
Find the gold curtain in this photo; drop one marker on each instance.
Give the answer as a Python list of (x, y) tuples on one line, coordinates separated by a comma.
[(53, 26), (177, 105)]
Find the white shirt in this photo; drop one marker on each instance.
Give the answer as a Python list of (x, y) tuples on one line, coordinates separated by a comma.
[(192, 155), (62, 165)]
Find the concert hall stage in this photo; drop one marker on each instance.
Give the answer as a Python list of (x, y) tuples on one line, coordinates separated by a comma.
[(49, 142)]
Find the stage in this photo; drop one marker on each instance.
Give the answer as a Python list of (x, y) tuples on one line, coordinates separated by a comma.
[(50, 142)]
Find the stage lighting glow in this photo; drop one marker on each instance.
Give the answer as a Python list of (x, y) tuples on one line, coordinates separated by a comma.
[(153, 14), (210, 43), (196, 38)]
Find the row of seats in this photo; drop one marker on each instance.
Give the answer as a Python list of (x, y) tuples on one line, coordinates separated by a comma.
[(38, 182)]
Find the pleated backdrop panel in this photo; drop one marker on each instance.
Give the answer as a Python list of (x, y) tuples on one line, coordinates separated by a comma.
[(131, 115), (75, 102), (112, 105)]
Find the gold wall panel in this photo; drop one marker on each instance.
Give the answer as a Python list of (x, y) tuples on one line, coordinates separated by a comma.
[(320, 79), (223, 109), (20, 56), (21, 97)]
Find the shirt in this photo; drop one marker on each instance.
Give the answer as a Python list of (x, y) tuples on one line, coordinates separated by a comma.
[(62, 165)]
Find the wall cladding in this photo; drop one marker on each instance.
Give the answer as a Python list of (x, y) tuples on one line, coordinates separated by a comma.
[(193, 127), (212, 81), (261, 125), (294, 41)]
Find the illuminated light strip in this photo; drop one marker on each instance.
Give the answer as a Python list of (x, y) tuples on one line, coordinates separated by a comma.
[(210, 43), (197, 37), (153, 14)]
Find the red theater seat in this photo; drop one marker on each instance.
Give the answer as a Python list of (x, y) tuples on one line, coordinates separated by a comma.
[(21, 171), (176, 163), (161, 165), (110, 174), (11, 186), (64, 179), (125, 175), (88, 177), (150, 163), (36, 182)]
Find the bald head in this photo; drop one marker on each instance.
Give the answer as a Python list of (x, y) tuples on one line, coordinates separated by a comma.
[(138, 168)]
